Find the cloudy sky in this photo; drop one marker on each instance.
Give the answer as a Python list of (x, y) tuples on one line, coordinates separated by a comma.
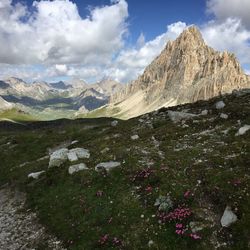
[(92, 39)]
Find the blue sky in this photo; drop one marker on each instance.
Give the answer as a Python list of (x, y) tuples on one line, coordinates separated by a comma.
[(150, 16), (92, 39)]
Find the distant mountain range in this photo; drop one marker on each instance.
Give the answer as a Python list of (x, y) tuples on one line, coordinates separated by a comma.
[(55, 100)]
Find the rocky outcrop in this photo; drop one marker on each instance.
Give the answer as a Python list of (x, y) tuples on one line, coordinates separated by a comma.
[(4, 105), (187, 70)]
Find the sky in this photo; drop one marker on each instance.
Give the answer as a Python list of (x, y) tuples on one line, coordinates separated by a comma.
[(52, 40)]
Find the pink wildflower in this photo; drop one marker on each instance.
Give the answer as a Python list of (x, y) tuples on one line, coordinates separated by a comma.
[(187, 194), (179, 225), (116, 241), (148, 189), (99, 193), (103, 240), (195, 236)]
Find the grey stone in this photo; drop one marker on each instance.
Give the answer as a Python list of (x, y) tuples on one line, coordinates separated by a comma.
[(243, 130), (220, 105), (107, 165), (177, 116), (223, 116), (58, 157), (204, 112), (228, 217), (76, 168), (80, 152), (35, 175), (134, 137), (114, 123), (72, 156)]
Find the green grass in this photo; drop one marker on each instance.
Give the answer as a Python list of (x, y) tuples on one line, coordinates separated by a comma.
[(16, 115), (69, 207), (101, 112)]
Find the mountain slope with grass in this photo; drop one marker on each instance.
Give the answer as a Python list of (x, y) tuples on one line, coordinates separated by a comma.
[(180, 177)]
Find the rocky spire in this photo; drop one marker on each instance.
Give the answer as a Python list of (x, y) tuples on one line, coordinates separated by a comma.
[(186, 70)]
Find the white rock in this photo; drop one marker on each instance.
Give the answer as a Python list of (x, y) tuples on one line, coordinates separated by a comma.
[(150, 243), (35, 175), (107, 165), (223, 116), (243, 130), (114, 123), (228, 217), (176, 116), (220, 105), (58, 157), (77, 168), (80, 152), (204, 112), (134, 137), (105, 150), (72, 156)]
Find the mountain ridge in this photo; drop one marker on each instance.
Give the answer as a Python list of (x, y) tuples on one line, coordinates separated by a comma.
[(55, 100)]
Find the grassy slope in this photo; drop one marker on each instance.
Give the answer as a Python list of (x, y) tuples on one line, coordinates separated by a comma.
[(68, 205), (105, 111), (15, 115), (36, 115)]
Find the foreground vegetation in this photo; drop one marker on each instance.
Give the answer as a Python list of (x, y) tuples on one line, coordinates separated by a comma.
[(199, 165)]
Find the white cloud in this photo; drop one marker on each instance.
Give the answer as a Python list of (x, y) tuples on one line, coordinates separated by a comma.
[(55, 32), (140, 41), (228, 35), (224, 9), (61, 68)]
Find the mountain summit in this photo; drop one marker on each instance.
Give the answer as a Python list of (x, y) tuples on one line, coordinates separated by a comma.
[(187, 70)]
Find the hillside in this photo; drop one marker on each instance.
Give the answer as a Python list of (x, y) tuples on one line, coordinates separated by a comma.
[(178, 170)]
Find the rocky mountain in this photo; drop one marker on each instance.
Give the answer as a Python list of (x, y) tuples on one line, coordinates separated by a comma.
[(187, 70), (18, 88), (59, 85), (90, 99), (108, 86)]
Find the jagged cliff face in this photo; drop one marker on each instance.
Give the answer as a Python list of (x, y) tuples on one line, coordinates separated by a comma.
[(187, 70)]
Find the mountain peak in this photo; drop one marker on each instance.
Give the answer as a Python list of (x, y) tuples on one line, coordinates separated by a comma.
[(14, 80), (191, 36)]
